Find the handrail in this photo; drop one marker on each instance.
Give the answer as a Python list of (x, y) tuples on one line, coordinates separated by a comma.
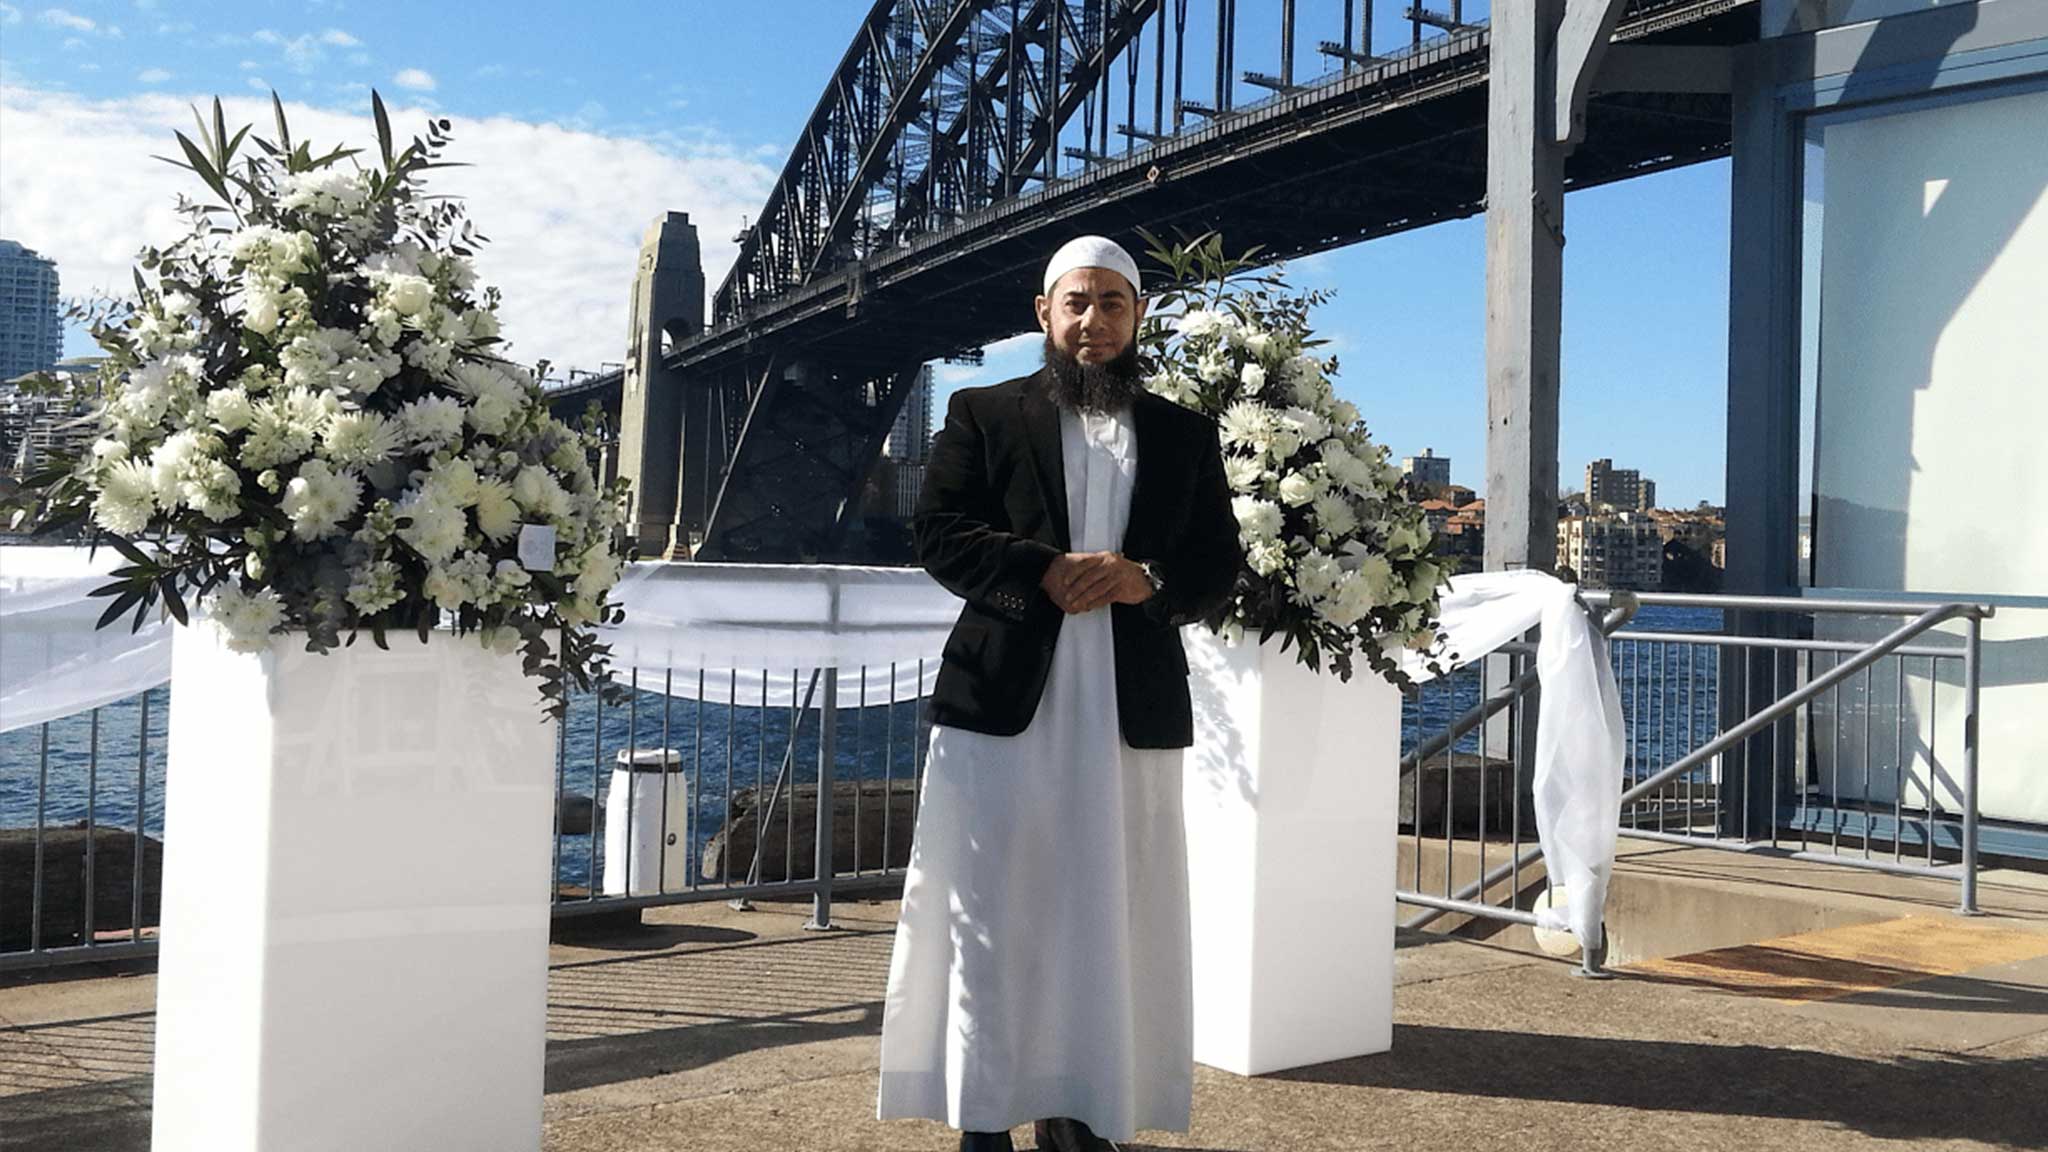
[(1463, 900), (1623, 611)]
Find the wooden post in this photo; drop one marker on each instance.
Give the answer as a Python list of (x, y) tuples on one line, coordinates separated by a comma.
[(1524, 287)]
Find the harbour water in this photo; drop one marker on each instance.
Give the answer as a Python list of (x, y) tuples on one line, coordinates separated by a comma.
[(95, 766)]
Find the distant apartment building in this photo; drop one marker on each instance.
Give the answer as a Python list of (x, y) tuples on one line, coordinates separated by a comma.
[(35, 427), (1622, 489), (1698, 529), (1621, 550), (905, 453), (31, 327), (1428, 472)]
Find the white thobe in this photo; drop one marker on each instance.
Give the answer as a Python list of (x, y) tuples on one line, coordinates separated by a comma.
[(1041, 965)]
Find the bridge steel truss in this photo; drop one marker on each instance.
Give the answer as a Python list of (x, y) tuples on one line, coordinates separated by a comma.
[(942, 161)]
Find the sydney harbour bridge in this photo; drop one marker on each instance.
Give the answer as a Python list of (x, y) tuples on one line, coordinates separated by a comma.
[(959, 141)]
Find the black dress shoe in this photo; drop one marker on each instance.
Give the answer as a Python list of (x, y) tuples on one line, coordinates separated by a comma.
[(1063, 1135), (985, 1142)]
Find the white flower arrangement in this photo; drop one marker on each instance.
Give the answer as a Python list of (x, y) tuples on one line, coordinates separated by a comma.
[(306, 422), (1338, 559)]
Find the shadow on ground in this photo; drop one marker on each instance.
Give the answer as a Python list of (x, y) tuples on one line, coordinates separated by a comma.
[(1914, 1098)]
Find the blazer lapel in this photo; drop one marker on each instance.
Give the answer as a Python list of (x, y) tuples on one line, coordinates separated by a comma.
[(1144, 433), (1048, 461)]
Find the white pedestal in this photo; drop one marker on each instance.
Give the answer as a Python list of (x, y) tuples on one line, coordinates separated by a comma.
[(355, 900), (646, 824), (1291, 792)]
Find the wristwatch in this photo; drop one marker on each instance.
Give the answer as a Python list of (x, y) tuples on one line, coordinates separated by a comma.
[(1152, 575)]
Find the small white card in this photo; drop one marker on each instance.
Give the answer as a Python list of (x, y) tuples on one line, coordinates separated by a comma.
[(537, 547)]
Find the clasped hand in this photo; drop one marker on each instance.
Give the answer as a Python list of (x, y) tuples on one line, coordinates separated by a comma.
[(1085, 581)]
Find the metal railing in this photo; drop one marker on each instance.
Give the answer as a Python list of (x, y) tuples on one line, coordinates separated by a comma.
[(1795, 728), (1790, 730)]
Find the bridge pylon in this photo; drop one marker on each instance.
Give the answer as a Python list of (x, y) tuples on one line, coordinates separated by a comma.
[(667, 309)]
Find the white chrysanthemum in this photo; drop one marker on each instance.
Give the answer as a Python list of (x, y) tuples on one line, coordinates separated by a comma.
[(127, 498), (374, 587), (1296, 489), (483, 325), (319, 498), (1311, 426), (435, 530), (1315, 577), (246, 619), (1215, 367), (361, 439), (1405, 539), (229, 408), (1243, 472), (538, 492), (172, 462), (1334, 513), (432, 421), (452, 482), (495, 399), (366, 371), (108, 450), (1349, 602), (1198, 323), (1246, 423), (285, 427), (1343, 413), (327, 191), (1257, 519), (432, 356), (497, 513), (211, 487), (1377, 572)]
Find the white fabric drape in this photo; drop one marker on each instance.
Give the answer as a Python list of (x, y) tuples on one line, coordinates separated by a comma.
[(1580, 738), (53, 662), (733, 621)]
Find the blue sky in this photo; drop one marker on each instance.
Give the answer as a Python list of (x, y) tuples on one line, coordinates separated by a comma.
[(586, 120)]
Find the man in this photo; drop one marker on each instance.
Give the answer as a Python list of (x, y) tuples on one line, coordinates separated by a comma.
[(1041, 968)]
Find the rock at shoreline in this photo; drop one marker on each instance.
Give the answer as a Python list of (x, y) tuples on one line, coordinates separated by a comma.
[(883, 804), (64, 861)]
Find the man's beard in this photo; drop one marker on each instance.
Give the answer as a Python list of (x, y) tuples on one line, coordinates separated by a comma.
[(1087, 387)]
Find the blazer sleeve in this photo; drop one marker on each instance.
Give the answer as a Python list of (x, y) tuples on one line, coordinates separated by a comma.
[(958, 540), (1200, 570)]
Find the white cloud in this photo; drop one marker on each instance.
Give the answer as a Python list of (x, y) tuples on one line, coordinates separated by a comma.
[(249, 65), (491, 70), (152, 76), (417, 79), (59, 18), (337, 38), (259, 83), (9, 14), (563, 251)]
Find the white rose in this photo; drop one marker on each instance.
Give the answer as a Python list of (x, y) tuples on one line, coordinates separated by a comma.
[(229, 408), (407, 295), (1254, 377), (1296, 489)]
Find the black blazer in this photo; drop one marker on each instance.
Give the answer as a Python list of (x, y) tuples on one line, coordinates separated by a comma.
[(993, 515)]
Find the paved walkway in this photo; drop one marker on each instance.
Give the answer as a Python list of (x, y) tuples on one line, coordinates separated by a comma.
[(739, 1031)]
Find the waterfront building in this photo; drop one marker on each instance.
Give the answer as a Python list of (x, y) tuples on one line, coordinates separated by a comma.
[(1612, 550), (1428, 472), (31, 325)]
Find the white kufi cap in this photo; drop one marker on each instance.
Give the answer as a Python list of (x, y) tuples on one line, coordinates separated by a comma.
[(1091, 252)]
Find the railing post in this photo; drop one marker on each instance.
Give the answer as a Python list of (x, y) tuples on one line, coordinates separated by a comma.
[(828, 748), (1973, 633)]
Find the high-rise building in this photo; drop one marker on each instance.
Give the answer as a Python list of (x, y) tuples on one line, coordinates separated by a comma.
[(1427, 472), (31, 328), (1623, 489), (910, 438)]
